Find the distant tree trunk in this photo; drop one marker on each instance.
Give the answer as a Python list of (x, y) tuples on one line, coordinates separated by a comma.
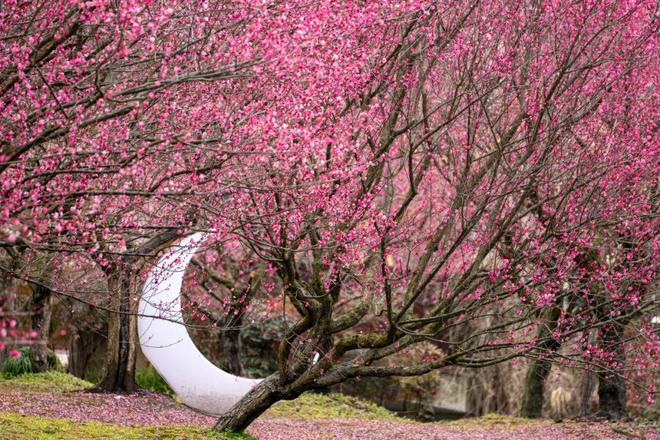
[(234, 321), (232, 346), (587, 388), (119, 375), (500, 401), (41, 313), (539, 370), (82, 348), (611, 384)]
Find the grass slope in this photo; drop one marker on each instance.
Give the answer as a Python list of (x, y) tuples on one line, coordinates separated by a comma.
[(48, 382), (330, 406), (308, 406)]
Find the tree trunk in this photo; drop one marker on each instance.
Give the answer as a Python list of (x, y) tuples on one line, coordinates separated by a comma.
[(539, 370), (122, 327), (532, 402), (612, 397), (232, 336), (41, 313), (119, 375), (587, 388), (255, 403), (232, 348), (587, 385), (611, 384), (84, 353)]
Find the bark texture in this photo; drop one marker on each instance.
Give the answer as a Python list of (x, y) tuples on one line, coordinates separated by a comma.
[(239, 417), (119, 374), (122, 328)]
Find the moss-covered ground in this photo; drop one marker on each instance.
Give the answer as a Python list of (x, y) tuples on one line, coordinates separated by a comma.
[(333, 406), (48, 382), (19, 426)]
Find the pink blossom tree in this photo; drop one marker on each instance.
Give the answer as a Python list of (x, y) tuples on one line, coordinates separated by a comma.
[(102, 112), (450, 173)]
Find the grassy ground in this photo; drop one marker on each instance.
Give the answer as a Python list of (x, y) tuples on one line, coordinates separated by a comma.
[(48, 382), (19, 426), (308, 406), (60, 385), (56, 406), (330, 406)]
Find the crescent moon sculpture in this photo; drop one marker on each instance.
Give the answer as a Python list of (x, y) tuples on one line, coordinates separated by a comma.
[(166, 343)]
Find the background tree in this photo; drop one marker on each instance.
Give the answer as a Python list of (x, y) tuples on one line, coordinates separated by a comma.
[(92, 129)]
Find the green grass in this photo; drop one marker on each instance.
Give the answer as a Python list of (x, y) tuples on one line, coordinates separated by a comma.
[(323, 406), (23, 364), (149, 379), (50, 381), (17, 426), (309, 406)]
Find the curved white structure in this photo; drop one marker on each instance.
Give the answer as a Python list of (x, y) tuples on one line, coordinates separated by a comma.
[(167, 344)]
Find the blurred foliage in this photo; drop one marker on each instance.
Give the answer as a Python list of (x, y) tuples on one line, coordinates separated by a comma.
[(149, 379), (411, 397), (259, 346), (93, 375), (24, 364)]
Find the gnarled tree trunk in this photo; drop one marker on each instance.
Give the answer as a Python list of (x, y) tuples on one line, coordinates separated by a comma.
[(120, 352), (122, 327), (253, 404)]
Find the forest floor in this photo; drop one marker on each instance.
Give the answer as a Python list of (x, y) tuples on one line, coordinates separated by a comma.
[(57, 406)]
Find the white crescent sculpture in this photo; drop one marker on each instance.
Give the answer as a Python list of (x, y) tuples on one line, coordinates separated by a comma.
[(167, 344)]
